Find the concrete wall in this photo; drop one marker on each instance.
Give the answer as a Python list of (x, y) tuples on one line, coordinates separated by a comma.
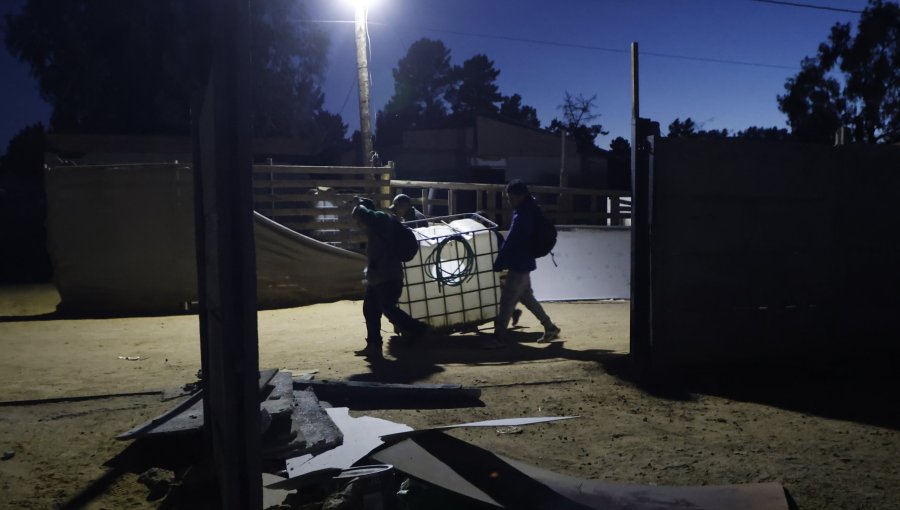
[(592, 263)]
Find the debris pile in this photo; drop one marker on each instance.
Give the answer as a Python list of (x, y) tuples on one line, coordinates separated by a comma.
[(318, 456)]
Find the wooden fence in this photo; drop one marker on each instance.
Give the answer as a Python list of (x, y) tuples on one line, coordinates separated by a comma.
[(566, 206), (317, 201)]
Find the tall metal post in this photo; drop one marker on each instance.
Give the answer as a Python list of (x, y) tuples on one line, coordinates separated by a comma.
[(362, 76)]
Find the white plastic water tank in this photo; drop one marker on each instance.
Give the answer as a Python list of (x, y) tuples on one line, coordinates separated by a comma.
[(451, 283)]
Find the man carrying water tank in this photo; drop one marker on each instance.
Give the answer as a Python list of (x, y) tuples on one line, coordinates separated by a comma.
[(515, 257), (403, 208), (384, 276)]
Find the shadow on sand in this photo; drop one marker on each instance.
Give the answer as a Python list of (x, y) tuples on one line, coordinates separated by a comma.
[(849, 389), (842, 389), (415, 362)]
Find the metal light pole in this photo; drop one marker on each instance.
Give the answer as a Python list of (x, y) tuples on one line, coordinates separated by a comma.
[(362, 75)]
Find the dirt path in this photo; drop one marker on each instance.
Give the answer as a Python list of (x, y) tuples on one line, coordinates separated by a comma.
[(827, 455)]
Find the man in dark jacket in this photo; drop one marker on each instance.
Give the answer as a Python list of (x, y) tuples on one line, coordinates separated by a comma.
[(384, 275), (515, 256), (404, 209)]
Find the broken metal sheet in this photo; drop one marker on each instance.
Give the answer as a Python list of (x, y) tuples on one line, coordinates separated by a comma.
[(365, 471), (599, 494), (503, 422), (273, 497), (466, 469), (470, 471), (412, 459), (361, 436)]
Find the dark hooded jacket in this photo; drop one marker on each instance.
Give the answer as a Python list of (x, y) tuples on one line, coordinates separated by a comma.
[(383, 263), (515, 252)]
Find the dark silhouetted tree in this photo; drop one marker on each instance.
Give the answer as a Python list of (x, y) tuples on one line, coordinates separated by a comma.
[(813, 103), (682, 129), (578, 112), (759, 133), (689, 129), (474, 90), (131, 67), (620, 147), (619, 164), (426, 86), (23, 252), (512, 109), (869, 63), (422, 79)]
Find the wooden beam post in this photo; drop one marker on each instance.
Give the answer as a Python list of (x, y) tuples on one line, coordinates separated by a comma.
[(386, 184), (641, 310), (226, 261)]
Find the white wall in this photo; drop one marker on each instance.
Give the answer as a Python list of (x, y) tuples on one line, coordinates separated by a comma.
[(593, 263)]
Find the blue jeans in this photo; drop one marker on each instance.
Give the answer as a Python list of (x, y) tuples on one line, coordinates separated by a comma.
[(516, 289), (382, 299)]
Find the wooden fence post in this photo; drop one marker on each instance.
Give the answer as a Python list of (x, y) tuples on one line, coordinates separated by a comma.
[(386, 189)]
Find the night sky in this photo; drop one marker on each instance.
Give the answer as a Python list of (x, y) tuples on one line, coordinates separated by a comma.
[(579, 46)]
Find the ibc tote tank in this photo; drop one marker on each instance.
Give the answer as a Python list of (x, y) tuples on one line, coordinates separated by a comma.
[(450, 284)]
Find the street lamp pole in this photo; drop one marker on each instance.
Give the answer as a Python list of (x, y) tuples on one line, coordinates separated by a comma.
[(362, 74)]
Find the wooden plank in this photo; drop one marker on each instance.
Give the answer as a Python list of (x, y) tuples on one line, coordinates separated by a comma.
[(311, 420), (280, 387), (332, 236), (226, 262), (186, 416), (319, 170), (556, 190), (331, 196), (265, 377), (316, 225), (303, 211), (314, 183), (372, 395)]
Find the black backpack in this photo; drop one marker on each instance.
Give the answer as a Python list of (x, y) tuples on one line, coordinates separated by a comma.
[(543, 237), (405, 243)]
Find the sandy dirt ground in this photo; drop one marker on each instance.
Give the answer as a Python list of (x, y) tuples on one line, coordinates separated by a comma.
[(830, 436)]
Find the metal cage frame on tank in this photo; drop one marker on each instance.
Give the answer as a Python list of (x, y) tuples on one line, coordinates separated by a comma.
[(451, 284)]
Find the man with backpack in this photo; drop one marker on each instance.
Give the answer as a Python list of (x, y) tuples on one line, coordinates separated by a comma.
[(385, 249), (517, 255)]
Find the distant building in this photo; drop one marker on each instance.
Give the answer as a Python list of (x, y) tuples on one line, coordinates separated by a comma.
[(495, 151)]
